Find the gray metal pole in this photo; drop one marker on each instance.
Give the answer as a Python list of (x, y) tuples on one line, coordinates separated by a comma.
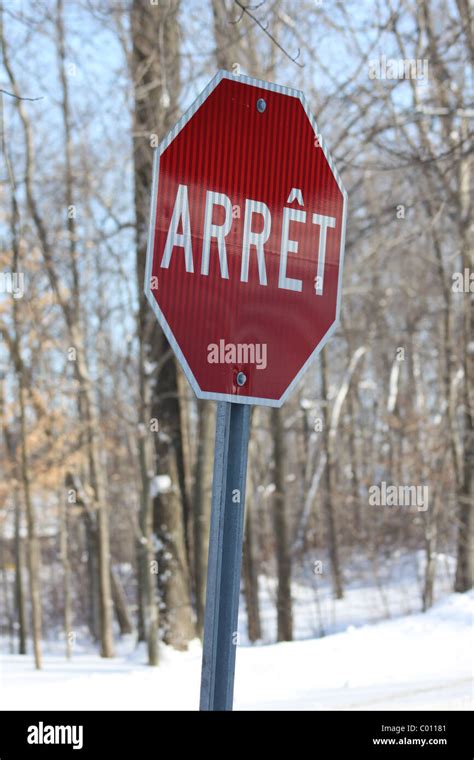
[(225, 556)]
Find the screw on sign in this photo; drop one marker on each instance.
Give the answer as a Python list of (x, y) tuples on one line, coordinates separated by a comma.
[(244, 270)]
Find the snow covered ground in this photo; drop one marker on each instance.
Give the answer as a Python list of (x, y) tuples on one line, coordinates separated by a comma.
[(413, 662), (410, 661)]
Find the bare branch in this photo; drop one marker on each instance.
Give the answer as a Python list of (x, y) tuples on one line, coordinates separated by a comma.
[(18, 97), (248, 10)]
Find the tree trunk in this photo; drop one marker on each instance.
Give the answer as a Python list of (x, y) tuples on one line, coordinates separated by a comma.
[(250, 572), (33, 548), (70, 305), (88, 401), (465, 553), (283, 557), (120, 605), (174, 581), (355, 483), (19, 582), (431, 538), (156, 74), (148, 606), (9, 615), (202, 505), (64, 552), (178, 624), (101, 607), (465, 559), (93, 573), (188, 468), (18, 546), (103, 535), (329, 501)]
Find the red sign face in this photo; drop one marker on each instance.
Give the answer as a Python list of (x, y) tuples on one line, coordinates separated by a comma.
[(244, 261)]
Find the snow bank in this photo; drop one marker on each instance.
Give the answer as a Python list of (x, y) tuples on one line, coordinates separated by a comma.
[(421, 661)]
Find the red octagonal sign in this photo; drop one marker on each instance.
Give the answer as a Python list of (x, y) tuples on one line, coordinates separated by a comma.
[(246, 244)]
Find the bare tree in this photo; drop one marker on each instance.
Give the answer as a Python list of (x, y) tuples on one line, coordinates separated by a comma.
[(283, 556), (155, 68), (70, 307)]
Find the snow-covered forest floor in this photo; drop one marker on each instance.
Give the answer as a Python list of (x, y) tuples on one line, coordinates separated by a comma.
[(365, 660)]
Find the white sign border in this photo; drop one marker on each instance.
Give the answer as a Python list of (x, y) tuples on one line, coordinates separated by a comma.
[(236, 399)]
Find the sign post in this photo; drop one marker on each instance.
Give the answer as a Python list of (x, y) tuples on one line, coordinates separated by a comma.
[(225, 556), (244, 274)]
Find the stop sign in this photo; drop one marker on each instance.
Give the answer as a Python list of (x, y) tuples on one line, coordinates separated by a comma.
[(246, 243)]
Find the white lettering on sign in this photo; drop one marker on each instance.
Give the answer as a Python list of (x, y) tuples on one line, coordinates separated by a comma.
[(324, 222), (251, 238), (258, 239), (179, 239), (218, 231), (289, 246), (295, 195)]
